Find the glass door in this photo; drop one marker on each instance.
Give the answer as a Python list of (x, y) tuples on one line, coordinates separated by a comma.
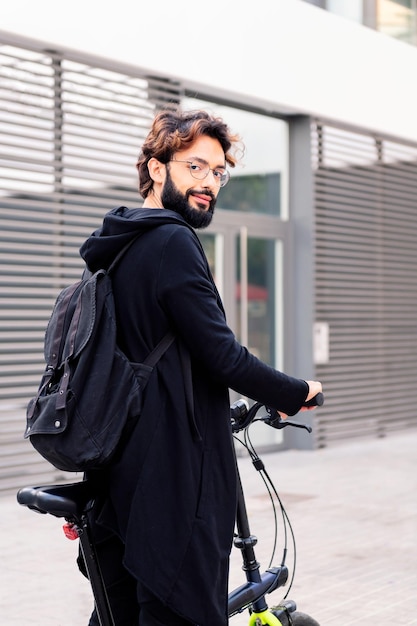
[(248, 272), (258, 295)]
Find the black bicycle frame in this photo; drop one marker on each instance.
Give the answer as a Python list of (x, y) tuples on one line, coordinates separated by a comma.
[(258, 585)]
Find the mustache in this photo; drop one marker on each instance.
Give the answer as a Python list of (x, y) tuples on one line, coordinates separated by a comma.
[(204, 192)]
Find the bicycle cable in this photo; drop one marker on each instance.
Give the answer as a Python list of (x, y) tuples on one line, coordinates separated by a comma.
[(272, 491)]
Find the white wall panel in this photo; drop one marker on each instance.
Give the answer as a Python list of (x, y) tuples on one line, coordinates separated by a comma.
[(280, 55)]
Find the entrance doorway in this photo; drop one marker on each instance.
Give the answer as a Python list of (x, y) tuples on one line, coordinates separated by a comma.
[(247, 263)]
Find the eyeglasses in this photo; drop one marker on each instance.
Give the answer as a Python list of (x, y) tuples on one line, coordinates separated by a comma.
[(200, 170)]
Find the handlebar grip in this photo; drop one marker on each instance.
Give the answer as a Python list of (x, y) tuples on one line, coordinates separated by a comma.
[(318, 400)]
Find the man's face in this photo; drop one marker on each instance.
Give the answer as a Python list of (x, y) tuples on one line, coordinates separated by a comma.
[(192, 198)]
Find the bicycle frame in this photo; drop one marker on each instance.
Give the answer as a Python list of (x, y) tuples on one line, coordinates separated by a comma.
[(252, 593)]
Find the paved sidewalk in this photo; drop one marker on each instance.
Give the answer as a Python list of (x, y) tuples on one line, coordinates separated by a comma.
[(354, 513)]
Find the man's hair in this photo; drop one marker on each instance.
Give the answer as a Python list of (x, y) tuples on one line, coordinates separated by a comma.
[(172, 131)]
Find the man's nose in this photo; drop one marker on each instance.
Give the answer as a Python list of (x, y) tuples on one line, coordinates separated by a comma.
[(210, 182)]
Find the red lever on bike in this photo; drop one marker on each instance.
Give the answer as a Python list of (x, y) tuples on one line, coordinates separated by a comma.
[(70, 531)]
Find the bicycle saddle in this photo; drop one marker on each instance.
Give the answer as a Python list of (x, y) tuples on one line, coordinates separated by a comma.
[(70, 501)]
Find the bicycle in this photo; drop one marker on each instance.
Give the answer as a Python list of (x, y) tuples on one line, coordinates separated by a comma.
[(73, 501)]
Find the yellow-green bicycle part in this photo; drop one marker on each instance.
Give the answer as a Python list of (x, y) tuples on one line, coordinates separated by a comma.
[(265, 618)]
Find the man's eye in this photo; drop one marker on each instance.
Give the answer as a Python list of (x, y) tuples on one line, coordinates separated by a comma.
[(218, 174), (194, 167)]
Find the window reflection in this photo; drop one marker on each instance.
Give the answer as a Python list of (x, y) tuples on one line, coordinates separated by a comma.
[(260, 294), (397, 18), (259, 183), (208, 243), (351, 9), (213, 246), (260, 193)]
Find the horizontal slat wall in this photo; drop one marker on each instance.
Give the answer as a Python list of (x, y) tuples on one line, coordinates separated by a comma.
[(70, 134), (366, 282)]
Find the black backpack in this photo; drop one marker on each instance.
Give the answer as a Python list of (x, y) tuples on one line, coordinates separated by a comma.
[(90, 393)]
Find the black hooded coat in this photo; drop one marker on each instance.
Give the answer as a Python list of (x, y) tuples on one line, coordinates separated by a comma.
[(171, 496)]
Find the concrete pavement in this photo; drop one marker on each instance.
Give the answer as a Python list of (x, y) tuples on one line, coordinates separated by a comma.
[(353, 509)]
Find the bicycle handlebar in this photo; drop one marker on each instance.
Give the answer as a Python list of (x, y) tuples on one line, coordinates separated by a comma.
[(241, 415), (318, 400)]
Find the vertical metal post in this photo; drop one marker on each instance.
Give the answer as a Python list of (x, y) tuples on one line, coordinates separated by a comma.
[(244, 334), (303, 296), (58, 169)]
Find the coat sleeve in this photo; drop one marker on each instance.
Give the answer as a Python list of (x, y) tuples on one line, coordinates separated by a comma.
[(186, 292)]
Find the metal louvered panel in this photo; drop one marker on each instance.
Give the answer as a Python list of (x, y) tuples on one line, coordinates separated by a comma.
[(70, 134), (366, 281)]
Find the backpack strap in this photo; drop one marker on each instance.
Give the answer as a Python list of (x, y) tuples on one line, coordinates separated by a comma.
[(185, 360), (88, 273), (54, 356), (159, 350), (122, 252)]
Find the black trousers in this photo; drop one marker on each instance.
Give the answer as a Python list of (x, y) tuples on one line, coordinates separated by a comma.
[(131, 604)]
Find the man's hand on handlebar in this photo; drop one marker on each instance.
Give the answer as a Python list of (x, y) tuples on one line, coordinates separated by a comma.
[(241, 415), (313, 399)]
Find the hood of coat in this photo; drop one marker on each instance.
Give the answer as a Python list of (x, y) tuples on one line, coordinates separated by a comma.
[(119, 227)]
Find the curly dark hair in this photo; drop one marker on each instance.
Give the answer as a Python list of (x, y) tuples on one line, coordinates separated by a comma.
[(172, 131)]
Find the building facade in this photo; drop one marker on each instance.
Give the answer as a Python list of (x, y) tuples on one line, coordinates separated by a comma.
[(395, 18), (314, 244)]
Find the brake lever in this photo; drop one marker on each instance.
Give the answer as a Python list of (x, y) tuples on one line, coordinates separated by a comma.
[(241, 415), (277, 422)]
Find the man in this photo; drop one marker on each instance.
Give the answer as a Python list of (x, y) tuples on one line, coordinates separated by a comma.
[(165, 521)]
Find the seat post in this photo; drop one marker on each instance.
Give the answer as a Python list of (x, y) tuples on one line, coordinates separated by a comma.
[(94, 574)]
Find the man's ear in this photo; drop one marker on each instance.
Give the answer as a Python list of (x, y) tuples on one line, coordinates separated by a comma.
[(157, 170)]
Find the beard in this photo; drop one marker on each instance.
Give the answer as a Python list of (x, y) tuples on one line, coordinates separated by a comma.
[(173, 199)]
